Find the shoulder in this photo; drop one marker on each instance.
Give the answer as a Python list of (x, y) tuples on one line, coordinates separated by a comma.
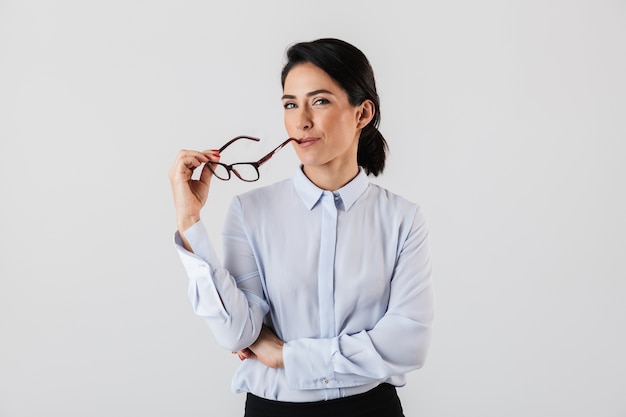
[(396, 209), (266, 194), (391, 200)]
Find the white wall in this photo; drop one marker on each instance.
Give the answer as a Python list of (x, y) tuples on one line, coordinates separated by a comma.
[(505, 121)]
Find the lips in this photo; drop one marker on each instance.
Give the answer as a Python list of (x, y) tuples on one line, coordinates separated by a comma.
[(307, 141)]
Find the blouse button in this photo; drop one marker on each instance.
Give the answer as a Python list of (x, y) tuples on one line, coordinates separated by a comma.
[(325, 380)]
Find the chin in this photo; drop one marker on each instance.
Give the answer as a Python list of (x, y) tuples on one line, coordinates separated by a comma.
[(308, 160)]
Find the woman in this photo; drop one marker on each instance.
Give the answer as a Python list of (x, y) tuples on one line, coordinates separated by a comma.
[(325, 291)]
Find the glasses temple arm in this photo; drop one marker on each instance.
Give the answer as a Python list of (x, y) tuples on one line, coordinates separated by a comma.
[(279, 147), (235, 140)]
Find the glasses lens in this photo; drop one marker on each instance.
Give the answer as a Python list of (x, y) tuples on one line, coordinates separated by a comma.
[(246, 172), (219, 171)]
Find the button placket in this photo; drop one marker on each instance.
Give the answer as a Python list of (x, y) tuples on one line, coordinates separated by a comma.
[(326, 269)]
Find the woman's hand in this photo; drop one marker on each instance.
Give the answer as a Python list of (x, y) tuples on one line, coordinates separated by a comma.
[(267, 349), (190, 195)]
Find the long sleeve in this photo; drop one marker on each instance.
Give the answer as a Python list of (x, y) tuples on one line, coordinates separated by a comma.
[(397, 344), (232, 306)]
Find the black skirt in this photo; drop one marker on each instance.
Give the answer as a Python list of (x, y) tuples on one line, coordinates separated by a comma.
[(381, 401)]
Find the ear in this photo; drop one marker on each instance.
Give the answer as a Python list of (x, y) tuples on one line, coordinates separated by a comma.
[(366, 113)]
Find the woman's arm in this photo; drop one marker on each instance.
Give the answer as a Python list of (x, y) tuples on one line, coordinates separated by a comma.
[(232, 305), (397, 344)]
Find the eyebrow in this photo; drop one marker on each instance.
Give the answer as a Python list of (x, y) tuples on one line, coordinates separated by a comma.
[(312, 93)]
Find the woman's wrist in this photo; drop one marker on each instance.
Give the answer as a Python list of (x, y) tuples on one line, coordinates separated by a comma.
[(185, 222)]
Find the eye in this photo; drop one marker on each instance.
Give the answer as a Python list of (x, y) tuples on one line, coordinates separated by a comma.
[(289, 105), (320, 101)]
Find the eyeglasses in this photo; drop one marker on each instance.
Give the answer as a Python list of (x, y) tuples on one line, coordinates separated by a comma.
[(245, 171)]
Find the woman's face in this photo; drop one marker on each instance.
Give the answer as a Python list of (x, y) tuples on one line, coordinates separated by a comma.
[(317, 112)]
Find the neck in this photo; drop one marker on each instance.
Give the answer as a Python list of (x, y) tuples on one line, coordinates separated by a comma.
[(331, 180)]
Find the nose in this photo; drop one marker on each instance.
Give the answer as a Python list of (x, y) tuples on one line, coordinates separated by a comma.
[(304, 120)]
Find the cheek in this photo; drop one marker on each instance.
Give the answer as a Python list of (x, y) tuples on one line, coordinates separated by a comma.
[(287, 124), (290, 121)]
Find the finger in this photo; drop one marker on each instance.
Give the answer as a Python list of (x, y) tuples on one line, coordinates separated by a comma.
[(242, 354), (185, 164), (207, 174), (188, 160), (212, 154), (195, 158)]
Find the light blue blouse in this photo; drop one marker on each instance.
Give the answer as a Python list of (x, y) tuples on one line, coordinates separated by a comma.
[(343, 277)]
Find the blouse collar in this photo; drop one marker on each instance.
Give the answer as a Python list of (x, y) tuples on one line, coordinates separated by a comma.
[(348, 194)]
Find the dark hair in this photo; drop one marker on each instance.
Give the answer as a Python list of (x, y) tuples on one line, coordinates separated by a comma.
[(351, 69)]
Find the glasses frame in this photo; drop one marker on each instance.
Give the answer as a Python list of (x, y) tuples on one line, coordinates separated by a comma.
[(233, 167)]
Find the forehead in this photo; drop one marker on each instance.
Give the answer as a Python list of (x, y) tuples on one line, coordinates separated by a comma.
[(308, 77)]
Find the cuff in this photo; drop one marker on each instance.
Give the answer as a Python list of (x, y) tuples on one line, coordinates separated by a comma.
[(308, 363)]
